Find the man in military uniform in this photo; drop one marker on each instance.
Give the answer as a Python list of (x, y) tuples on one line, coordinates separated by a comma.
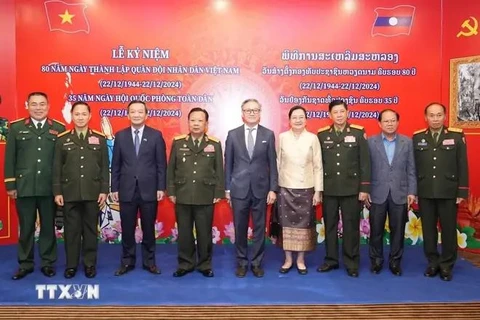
[(80, 185), (346, 167), (28, 179), (442, 178), (195, 182)]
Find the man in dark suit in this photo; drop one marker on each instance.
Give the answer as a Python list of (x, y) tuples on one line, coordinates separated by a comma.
[(195, 184), (393, 190), (138, 182), (346, 173), (251, 180), (28, 179), (442, 177)]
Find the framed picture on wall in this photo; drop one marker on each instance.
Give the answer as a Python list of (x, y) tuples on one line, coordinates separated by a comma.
[(465, 92)]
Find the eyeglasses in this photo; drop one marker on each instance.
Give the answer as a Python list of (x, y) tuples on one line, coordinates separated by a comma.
[(251, 111)]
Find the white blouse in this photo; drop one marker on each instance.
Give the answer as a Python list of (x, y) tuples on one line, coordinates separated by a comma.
[(299, 161)]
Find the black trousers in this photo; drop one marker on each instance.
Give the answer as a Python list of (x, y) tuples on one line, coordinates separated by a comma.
[(202, 217), (397, 217), (242, 208), (148, 216), (27, 215), (431, 211), (350, 207), (81, 232)]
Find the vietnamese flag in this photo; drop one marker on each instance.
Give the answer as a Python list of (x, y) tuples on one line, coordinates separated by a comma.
[(393, 21), (66, 17)]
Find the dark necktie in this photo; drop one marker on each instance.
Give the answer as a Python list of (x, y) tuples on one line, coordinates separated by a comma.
[(435, 137), (39, 126), (137, 141), (196, 143), (81, 136), (250, 142)]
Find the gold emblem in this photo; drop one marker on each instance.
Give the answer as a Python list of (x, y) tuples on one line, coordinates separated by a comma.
[(469, 29)]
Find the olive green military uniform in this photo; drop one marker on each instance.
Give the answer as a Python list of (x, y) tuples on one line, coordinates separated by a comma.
[(195, 177), (442, 175), (346, 172), (28, 169), (81, 173)]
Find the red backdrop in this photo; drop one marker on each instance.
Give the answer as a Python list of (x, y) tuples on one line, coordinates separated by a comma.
[(216, 53)]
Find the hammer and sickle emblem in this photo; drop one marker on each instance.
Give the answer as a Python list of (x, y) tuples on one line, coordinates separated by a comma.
[(468, 29)]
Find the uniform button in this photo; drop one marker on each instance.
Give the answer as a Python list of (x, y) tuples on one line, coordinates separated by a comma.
[(81, 167), (39, 149), (39, 171), (81, 176), (193, 181), (81, 157), (338, 163), (338, 154), (338, 145), (194, 171), (338, 173), (434, 177), (434, 167), (39, 160), (39, 138), (81, 148), (434, 158), (435, 149), (195, 163)]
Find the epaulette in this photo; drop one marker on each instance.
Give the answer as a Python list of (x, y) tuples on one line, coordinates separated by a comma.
[(323, 129), (213, 139), (15, 121), (59, 122), (180, 137), (63, 133), (420, 131), (452, 129), (99, 133), (356, 126)]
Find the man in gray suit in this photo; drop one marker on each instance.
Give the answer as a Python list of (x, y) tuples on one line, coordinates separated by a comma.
[(251, 180), (393, 189)]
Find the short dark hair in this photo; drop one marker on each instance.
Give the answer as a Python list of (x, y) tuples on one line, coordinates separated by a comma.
[(251, 100), (37, 93), (298, 107), (335, 103), (386, 110), (78, 103), (435, 103), (197, 109), (137, 101)]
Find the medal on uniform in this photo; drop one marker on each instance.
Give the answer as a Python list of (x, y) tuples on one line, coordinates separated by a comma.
[(183, 159)]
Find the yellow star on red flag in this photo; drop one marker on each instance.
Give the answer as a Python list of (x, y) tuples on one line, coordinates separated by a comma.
[(66, 17)]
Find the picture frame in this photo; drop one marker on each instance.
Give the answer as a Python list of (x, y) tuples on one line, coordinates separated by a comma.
[(465, 92)]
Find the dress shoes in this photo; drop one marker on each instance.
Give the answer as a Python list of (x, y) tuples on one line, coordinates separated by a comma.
[(430, 272), (446, 275), (285, 270), (124, 269), (21, 273), (327, 267), (152, 269), (302, 271), (376, 268), (181, 272), (207, 273), (48, 271), (258, 272), (90, 272), (352, 273), (241, 272), (70, 273), (395, 270)]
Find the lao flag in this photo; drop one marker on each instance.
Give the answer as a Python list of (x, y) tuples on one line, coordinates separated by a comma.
[(66, 17), (394, 21)]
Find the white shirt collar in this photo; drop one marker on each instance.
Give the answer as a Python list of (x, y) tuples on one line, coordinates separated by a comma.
[(36, 121), (140, 130), (246, 127)]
